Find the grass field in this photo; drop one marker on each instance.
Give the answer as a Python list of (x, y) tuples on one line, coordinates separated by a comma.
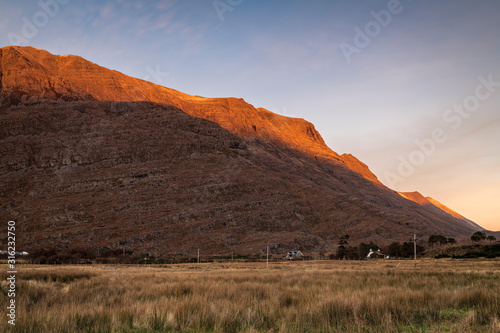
[(321, 296)]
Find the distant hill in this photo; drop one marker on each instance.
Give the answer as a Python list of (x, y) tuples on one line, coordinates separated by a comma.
[(436, 207)]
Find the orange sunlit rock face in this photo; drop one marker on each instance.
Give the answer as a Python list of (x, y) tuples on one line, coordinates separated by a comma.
[(415, 197)]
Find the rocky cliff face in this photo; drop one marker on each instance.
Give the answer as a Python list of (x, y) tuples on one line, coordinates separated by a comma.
[(83, 163), (25, 80)]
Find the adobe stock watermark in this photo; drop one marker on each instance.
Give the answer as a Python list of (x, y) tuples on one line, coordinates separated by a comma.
[(283, 112), (363, 37), (223, 6), (156, 75), (30, 28), (11, 272), (454, 117)]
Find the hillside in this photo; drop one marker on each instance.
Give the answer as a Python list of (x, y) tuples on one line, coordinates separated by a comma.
[(93, 158)]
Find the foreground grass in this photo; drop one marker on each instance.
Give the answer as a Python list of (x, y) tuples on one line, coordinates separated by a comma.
[(330, 296)]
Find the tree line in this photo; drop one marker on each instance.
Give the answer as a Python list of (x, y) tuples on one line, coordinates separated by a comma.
[(479, 236)]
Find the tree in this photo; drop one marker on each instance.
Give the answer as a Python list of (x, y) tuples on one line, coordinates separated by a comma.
[(451, 241), (435, 239), (374, 247), (341, 251), (478, 236), (352, 253), (394, 250), (491, 238), (364, 248), (407, 249)]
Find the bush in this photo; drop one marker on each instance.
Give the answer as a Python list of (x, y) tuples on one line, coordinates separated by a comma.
[(443, 255), (42, 260)]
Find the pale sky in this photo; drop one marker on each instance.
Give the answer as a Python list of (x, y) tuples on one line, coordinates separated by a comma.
[(373, 76)]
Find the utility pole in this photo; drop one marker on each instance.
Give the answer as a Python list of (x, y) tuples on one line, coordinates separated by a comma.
[(198, 256), (267, 257), (415, 248)]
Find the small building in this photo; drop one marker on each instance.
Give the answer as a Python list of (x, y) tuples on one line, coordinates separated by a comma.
[(23, 253), (376, 255), (294, 255)]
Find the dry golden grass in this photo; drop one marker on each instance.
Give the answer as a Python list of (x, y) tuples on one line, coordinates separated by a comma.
[(328, 296)]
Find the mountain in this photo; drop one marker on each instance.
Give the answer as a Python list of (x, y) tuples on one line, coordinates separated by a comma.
[(91, 157), (38, 75)]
